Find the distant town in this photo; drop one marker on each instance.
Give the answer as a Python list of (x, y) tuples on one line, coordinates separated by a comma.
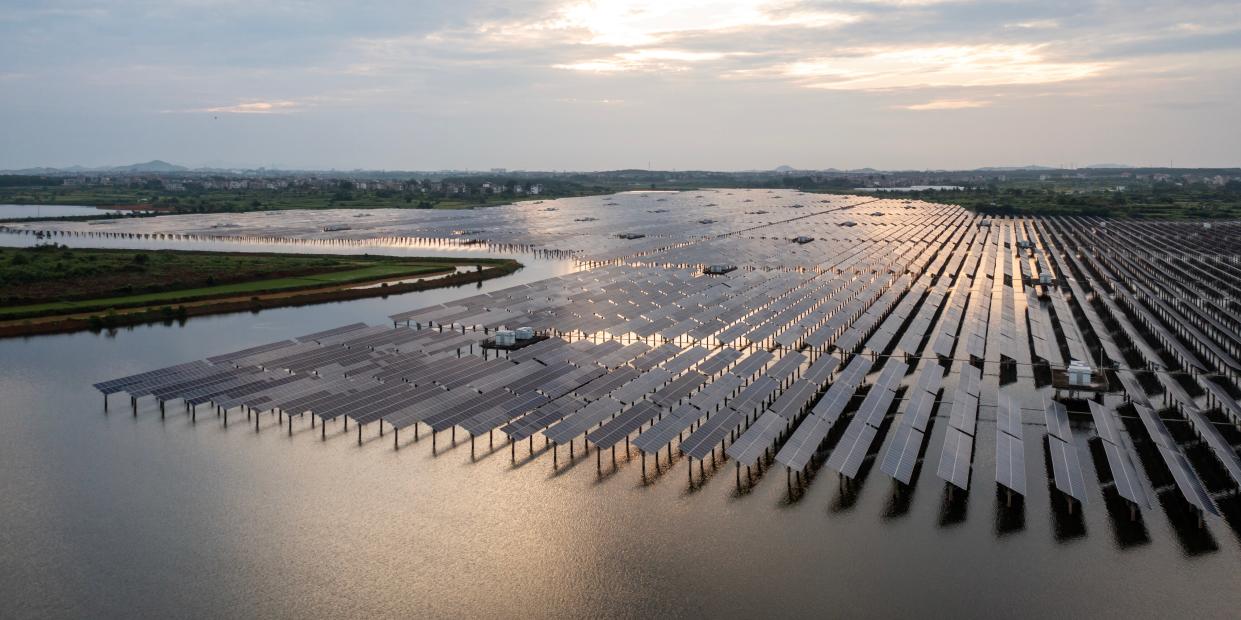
[(158, 186)]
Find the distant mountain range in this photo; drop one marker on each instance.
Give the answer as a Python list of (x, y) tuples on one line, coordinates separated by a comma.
[(155, 165)]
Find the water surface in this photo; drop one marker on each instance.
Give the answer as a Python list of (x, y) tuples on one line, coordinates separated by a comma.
[(110, 515)]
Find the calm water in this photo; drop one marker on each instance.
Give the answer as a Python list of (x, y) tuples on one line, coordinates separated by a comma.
[(108, 515), (8, 212)]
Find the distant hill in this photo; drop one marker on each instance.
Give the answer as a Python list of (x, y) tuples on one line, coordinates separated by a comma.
[(1014, 168), (1109, 166), (155, 165)]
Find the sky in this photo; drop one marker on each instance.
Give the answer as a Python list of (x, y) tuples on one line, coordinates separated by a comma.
[(581, 85)]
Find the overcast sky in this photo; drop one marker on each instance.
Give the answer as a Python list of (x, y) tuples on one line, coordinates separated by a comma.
[(530, 84)]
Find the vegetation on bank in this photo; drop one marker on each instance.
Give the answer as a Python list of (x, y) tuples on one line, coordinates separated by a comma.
[(114, 318), (53, 280), (1161, 201), (1121, 192), (344, 195)]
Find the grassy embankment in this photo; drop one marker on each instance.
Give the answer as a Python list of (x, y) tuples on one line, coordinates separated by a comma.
[(78, 288)]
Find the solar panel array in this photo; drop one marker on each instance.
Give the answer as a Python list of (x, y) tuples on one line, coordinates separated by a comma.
[(761, 363)]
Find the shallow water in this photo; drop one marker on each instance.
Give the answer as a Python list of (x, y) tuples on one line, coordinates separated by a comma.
[(111, 515), (35, 211)]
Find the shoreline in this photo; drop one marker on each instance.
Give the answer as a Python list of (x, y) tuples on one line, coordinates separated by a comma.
[(166, 313)]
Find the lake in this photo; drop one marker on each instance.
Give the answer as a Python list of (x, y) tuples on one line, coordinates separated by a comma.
[(108, 515)]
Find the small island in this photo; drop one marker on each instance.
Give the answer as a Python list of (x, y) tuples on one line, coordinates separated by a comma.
[(54, 288)]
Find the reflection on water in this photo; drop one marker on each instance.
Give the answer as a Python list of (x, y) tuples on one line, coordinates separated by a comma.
[(109, 515)]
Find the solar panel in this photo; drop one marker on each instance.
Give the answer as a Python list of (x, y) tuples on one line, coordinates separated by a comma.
[(786, 366), (1008, 416), (701, 442), (678, 388), (804, 441), (751, 445), (902, 453), (1067, 469), (710, 397), (971, 380), (1188, 483), (1105, 423), (822, 368), (607, 383), (1219, 445), (540, 418), (891, 375), (685, 360), (635, 390), (330, 332), (665, 430), (964, 415), (1125, 474), (718, 362), (582, 420), (616, 429), (1010, 462), (790, 403), (850, 452), (954, 460), (655, 356), (752, 364), (1057, 421), (1155, 427), (754, 395), (875, 406)]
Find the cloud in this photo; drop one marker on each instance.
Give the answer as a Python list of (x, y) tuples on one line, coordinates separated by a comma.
[(628, 23), (530, 77), (939, 66), (254, 107), (646, 60), (1034, 24), (946, 104)]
